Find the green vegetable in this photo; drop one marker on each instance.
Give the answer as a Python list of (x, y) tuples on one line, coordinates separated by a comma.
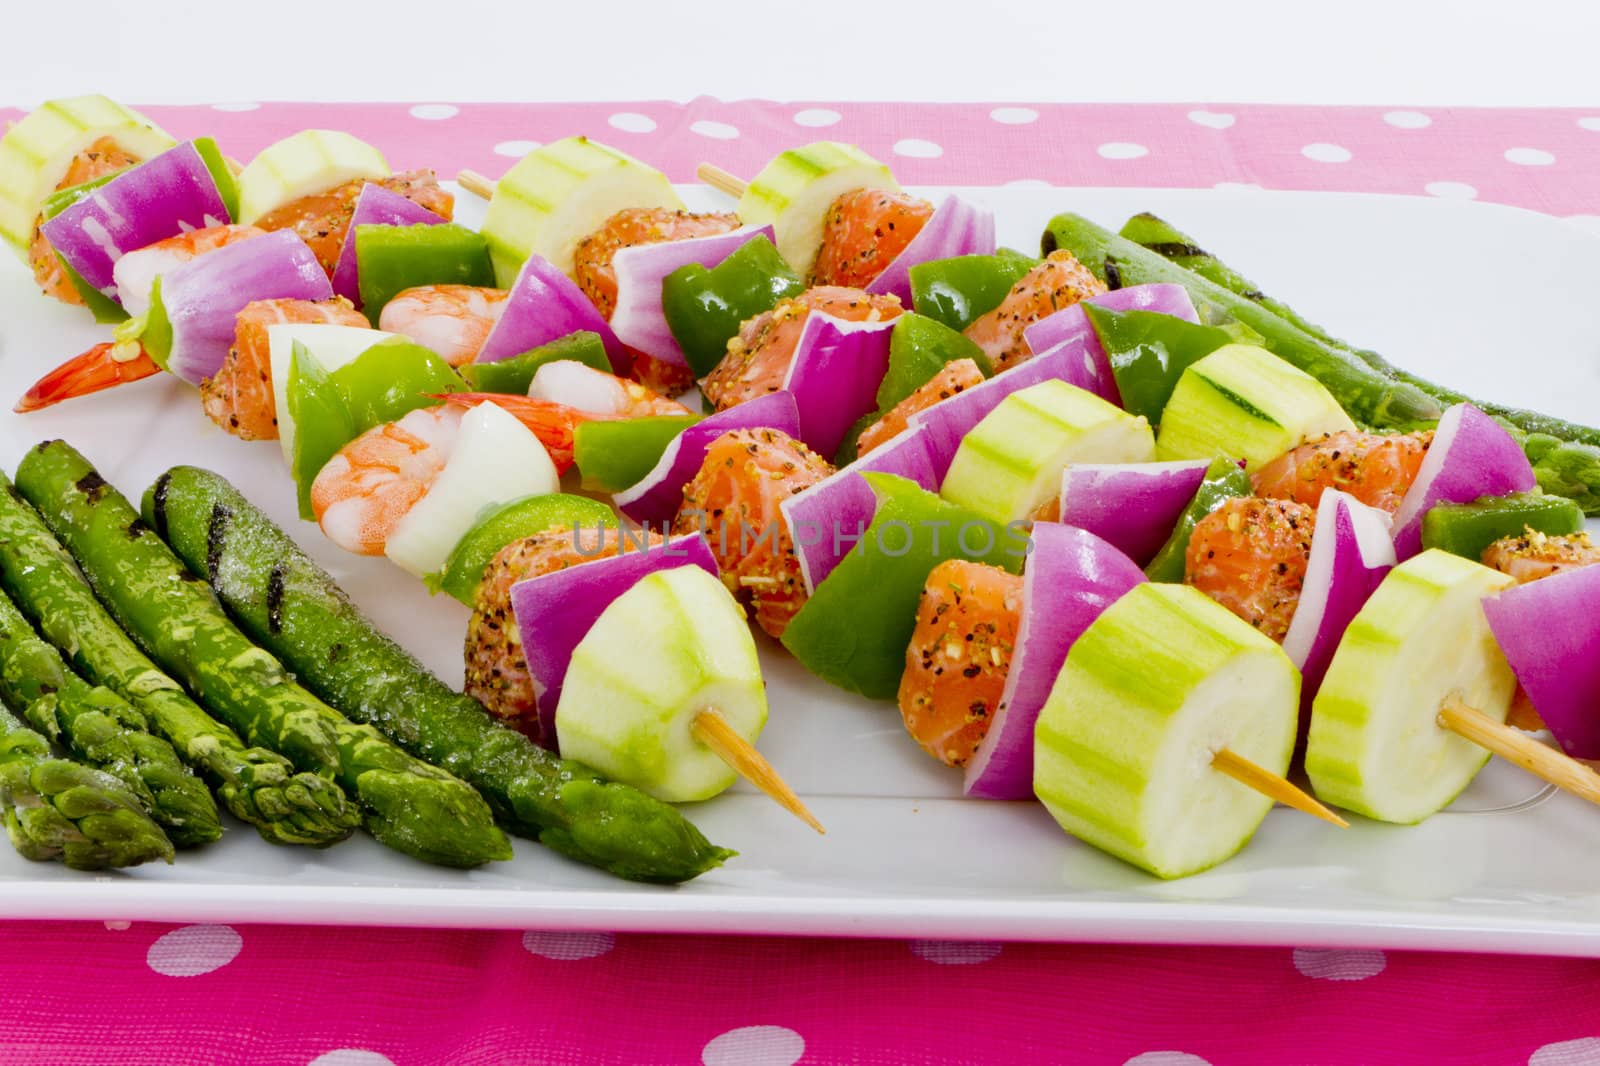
[(920, 347), (391, 259), (960, 290), (322, 422), (463, 571), (293, 607), (1224, 480), (221, 173), (257, 786), (56, 809), (62, 199), (1149, 353), (705, 307), (1367, 395), (101, 729), (613, 455), (1466, 529), (1564, 468), (410, 806), (850, 447), (854, 629), (515, 375)]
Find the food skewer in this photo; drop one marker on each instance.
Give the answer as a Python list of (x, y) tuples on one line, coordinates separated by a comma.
[(721, 180), (475, 183), (1511, 744), (714, 731), (1259, 779)]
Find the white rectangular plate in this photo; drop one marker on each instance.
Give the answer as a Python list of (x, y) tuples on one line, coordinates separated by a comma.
[(1496, 301)]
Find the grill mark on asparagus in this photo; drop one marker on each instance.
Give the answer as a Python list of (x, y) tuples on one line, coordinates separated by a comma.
[(274, 595), (216, 534), (160, 510)]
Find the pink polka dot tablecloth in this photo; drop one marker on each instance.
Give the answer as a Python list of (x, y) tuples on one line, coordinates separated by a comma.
[(92, 993)]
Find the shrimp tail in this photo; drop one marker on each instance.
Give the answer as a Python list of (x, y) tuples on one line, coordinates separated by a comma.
[(104, 366), (553, 423)]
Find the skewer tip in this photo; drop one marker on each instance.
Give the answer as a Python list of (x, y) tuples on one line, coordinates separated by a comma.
[(712, 729)]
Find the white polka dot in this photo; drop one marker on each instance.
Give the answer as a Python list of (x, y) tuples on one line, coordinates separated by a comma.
[(1122, 150), (956, 952), (917, 149), (1450, 190), (1407, 120), (816, 117), (567, 946), (631, 122), (755, 1045), (435, 112), (1215, 120), (235, 107), (194, 950), (351, 1056), (515, 149), (1334, 964), (1582, 1052), (119, 927), (1590, 123), (1322, 152), (1529, 157), (1014, 116), (1166, 1058), (1237, 186), (717, 131)]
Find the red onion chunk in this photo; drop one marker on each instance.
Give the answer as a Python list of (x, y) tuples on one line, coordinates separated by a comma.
[(638, 321), (376, 206), (1071, 325), (1471, 456), (955, 228), (655, 498), (1072, 575), (1549, 631), (1132, 506), (203, 296), (834, 376), (554, 611), (826, 520), (1351, 551), (168, 195), (546, 305)]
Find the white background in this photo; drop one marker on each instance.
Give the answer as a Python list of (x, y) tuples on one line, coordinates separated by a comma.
[(1482, 52)]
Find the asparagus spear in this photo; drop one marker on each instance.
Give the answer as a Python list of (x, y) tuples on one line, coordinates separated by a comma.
[(56, 809), (293, 608), (257, 785), (1565, 455), (410, 806), (1368, 396), (100, 728)]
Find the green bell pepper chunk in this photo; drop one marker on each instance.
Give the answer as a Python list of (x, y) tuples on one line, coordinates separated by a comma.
[(1224, 480), (611, 456), (1149, 352), (62, 199), (463, 571), (322, 422), (854, 630), (390, 259), (515, 375), (153, 329), (1466, 529), (919, 347), (227, 185), (960, 290), (705, 308)]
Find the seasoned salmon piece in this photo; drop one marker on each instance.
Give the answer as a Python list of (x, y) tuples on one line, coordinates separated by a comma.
[(863, 232), (322, 219), (592, 265), (239, 396), (1250, 555), (758, 358), (956, 665), (1054, 285), (102, 157), (957, 376), (1533, 555), (1375, 468), (734, 500)]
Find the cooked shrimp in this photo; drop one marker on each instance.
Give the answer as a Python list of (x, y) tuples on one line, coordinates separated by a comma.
[(322, 219), (1250, 555), (592, 260), (958, 375), (960, 652), (554, 424), (862, 233), (758, 358), (734, 500), (452, 321), (137, 271), (371, 483), (1375, 468), (1533, 555), (101, 158), (1055, 284), (239, 397), (579, 385)]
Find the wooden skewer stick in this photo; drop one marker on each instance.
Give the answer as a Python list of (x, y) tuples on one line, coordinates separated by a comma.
[(721, 180), (1542, 761), (475, 183), (1264, 781), (713, 730)]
